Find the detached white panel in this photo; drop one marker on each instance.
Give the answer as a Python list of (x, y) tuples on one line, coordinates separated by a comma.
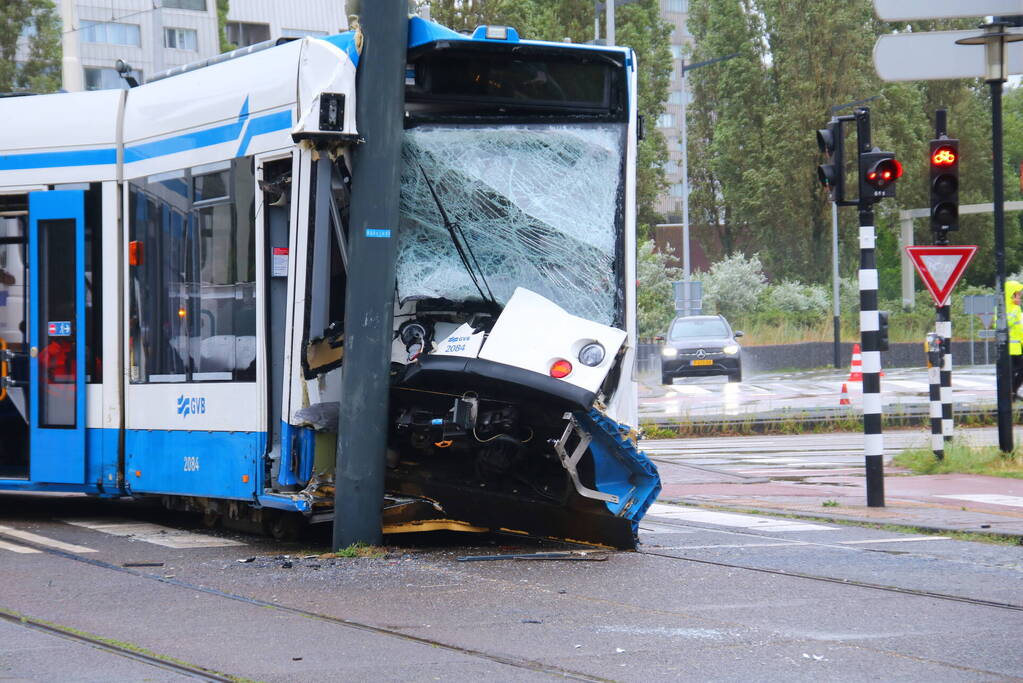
[(555, 335)]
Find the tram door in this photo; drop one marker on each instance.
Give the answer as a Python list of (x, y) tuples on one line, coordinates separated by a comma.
[(57, 336)]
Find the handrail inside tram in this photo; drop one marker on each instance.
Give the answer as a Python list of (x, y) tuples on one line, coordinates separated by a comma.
[(4, 368)]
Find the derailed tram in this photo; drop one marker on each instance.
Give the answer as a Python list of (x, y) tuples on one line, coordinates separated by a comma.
[(173, 269)]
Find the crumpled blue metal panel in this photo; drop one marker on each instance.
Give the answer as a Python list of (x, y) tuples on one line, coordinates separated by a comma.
[(621, 468)]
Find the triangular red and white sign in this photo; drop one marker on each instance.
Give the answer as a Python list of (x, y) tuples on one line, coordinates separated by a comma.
[(941, 267)]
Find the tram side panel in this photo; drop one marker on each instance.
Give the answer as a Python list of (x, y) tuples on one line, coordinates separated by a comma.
[(207, 387)]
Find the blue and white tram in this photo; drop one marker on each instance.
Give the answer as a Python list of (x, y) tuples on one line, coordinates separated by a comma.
[(173, 272)]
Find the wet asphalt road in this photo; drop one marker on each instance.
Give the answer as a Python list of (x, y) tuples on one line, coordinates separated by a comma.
[(902, 389), (711, 596)]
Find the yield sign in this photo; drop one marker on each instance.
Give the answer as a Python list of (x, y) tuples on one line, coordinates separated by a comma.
[(941, 267)]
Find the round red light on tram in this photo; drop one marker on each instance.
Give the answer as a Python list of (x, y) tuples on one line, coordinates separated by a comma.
[(561, 368)]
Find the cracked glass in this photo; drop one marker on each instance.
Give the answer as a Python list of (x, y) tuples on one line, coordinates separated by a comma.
[(536, 206)]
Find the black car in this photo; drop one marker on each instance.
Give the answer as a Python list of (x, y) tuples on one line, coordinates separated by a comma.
[(701, 345)]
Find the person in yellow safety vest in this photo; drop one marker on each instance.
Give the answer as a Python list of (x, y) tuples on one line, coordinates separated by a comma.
[(1014, 319)]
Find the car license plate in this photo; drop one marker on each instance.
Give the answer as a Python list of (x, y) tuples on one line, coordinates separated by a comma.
[(703, 361)]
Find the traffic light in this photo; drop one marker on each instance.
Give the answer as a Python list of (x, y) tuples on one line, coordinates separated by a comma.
[(831, 174), (882, 331), (878, 173), (944, 163)]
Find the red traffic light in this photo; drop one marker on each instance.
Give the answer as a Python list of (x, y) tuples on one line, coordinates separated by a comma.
[(944, 156), (884, 172)]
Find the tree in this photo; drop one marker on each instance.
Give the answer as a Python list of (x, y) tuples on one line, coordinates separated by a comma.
[(35, 26), (655, 299), (223, 8), (754, 186)]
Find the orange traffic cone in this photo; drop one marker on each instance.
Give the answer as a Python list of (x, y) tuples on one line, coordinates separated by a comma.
[(844, 399), (856, 368)]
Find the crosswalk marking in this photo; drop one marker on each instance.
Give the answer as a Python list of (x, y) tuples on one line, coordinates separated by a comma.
[(731, 519), (42, 540), (4, 545), (153, 533), (896, 540), (992, 498)]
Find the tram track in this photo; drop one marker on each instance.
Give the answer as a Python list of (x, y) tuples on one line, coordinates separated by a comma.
[(106, 645), (197, 672), (980, 602)]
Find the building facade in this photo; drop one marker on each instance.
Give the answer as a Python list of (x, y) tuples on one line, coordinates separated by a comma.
[(669, 204), (151, 37)]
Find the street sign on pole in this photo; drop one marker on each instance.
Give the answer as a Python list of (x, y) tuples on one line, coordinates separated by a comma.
[(941, 267), (909, 10), (935, 56)]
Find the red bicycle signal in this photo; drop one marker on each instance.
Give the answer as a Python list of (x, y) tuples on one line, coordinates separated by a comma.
[(944, 156)]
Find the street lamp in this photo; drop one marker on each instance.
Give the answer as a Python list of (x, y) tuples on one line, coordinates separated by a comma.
[(995, 39), (685, 170)]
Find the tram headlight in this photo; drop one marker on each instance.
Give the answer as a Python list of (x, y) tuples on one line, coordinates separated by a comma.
[(592, 354)]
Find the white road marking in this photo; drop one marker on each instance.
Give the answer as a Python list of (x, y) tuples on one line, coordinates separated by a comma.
[(153, 533), (731, 519), (897, 540), (905, 384), (655, 528), (992, 498), (689, 389), (4, 545), (735, 545), (42, 540)]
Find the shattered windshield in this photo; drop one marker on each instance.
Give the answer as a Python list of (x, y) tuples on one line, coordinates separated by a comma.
[(538, 206)]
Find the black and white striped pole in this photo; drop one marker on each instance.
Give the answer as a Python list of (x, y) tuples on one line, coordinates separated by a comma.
[(934, 360), (878, 172), (944, 171)]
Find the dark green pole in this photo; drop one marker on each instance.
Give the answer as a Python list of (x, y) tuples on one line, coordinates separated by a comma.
[(369, 301)]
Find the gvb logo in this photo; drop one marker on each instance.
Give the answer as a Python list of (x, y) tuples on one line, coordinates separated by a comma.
[(188, 405)]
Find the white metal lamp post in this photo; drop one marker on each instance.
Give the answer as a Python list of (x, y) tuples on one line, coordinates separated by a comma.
[(995, 40)]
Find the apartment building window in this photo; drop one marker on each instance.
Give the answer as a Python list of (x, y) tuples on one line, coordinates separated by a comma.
[(197, 5), (301, 33), (102, 78), (666, 121), (243, 34), (677, 190), (181, 38), (678, 97), (110, 33), (676, 5)]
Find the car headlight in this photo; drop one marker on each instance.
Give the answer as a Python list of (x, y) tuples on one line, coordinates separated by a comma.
[(592, 354), (731, 349), (669, 352)]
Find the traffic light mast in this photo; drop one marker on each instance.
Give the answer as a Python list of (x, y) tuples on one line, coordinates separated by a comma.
[(877, 175), (943, 164)]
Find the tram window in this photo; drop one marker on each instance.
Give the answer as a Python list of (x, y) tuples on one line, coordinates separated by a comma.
[(93, 278), (193, 308), (57, 371), (94, 284), (13, 261)]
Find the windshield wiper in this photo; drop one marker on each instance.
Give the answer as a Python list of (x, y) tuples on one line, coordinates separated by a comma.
[(461, 245)]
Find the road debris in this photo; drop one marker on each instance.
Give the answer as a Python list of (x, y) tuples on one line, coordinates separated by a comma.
[(585, 555)]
